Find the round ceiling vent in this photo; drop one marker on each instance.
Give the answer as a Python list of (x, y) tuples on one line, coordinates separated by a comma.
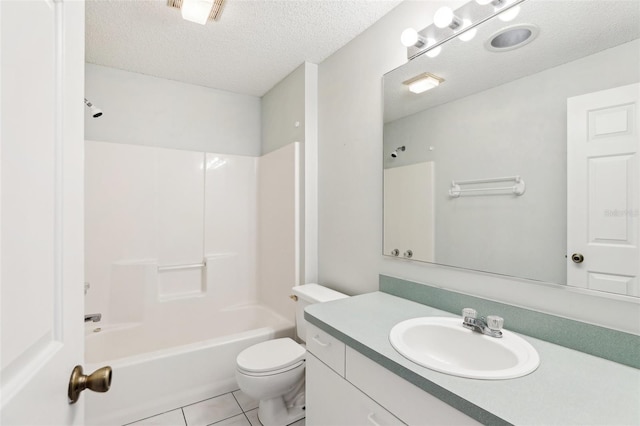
[(512, 37)]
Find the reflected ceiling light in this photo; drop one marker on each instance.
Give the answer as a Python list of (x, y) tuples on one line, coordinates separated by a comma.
[(469, 34), (483, 2), (445, 17), (410, 37), (423, 82)]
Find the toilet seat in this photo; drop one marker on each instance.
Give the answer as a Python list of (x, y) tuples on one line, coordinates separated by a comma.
[(271, 357), (270, 372)]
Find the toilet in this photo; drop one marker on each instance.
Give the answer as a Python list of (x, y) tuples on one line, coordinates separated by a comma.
[(272, 372)]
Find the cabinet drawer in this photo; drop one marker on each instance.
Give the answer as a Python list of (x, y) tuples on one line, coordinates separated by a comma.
[(326, 348), (408, 402)]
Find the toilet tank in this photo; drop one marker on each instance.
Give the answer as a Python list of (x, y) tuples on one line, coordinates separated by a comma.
[(308, 294)]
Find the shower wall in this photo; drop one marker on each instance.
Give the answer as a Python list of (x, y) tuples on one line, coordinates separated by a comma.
[(148, 209)]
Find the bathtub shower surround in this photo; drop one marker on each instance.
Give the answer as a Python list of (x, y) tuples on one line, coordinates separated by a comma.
[(170, 210), (175, 254)]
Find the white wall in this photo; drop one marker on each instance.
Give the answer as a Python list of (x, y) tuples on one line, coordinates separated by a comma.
[(283, 112), (350, 148), (350, 187), (145, 110), (289, 114)]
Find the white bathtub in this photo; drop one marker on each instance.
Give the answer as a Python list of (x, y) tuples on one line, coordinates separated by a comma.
[(161, 366)]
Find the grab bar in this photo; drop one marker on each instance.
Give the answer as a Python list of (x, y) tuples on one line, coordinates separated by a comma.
[(518, 189), (177, 267)]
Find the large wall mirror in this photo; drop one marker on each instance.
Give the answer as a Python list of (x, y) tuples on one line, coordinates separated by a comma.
[(523, 160)]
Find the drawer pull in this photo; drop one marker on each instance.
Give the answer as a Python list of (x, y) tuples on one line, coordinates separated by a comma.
[(317, 340), (370, 418)]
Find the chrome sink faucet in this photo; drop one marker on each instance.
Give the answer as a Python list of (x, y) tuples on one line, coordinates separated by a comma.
[(92, 317), (491, 325)]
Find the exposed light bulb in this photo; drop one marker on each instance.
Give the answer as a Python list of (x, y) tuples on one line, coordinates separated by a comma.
[(433, 52), (410, 37), (443, 17), (509, 15), (469, 34)]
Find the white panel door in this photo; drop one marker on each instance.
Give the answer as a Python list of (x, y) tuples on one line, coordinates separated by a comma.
[(41, 112), (603, 190)]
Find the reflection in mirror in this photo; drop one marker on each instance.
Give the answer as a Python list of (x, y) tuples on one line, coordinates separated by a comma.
[(558, 111)]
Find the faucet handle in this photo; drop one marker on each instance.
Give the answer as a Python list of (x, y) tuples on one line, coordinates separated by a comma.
[(495, 322), (469, 313)]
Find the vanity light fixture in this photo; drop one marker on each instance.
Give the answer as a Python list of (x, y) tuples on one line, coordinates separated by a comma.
[(432, 53), (445, 17), (410, 37), (423, 82), (506, 16), (462, 24), (469, 34), (509, 15), (198, 11)]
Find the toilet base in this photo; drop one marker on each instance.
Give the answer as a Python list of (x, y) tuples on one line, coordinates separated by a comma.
[(274, 412)]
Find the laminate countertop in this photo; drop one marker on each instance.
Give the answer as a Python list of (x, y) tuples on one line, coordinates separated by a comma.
[(568, 388)]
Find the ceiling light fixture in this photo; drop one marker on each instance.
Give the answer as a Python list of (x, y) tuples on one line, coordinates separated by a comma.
[(199, 11), (423, 82)]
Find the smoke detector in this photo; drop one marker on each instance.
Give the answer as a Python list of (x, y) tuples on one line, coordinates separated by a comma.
[(199, 11)]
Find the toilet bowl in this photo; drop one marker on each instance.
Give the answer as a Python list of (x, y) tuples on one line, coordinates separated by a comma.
[(272, 372)]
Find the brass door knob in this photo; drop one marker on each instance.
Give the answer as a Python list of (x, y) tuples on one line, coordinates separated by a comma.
[(577, 258), (98, 381)]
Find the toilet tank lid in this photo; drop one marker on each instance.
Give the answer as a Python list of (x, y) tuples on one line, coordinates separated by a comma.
[(317, 293)]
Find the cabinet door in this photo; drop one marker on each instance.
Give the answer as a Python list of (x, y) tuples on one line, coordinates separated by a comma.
[(332, 401)]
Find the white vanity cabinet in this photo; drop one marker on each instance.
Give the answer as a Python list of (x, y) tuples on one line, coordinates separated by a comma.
[(343, 387), (332, 401)]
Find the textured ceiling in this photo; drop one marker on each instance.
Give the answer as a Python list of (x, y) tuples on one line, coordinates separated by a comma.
[(254, 45)]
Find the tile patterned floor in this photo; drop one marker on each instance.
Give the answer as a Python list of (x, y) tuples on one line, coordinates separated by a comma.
[(231, 409)]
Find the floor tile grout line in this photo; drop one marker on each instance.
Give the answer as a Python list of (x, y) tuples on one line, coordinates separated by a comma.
[(184, 417), (206, 399), (227, 418), (154, 415)]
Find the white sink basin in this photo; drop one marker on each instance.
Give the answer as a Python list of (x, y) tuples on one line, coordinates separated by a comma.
[(444, 345)]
